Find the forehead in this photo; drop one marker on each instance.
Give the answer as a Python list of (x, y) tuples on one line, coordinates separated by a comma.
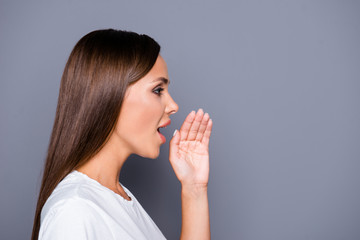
[(159, 66), (158, 73)]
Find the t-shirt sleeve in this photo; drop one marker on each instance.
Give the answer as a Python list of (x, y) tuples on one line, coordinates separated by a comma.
[(73, 219)]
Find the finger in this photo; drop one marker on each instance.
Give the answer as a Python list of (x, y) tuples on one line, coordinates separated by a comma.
[(184, 130), (195, 125), (202, 127), (207, 133)]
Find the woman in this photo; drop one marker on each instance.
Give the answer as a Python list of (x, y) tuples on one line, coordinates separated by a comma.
[(112, 102)]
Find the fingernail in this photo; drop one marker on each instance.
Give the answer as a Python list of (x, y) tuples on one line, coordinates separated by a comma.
[(174, 132)]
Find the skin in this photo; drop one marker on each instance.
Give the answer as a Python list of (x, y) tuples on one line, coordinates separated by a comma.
[(189, 157), (146, 106)]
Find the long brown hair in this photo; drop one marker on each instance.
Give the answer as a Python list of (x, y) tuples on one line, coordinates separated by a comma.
[(100, 68)]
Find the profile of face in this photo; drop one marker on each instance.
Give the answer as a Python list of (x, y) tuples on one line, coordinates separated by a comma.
[(147, 105)]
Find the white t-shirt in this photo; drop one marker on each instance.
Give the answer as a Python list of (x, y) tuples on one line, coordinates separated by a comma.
[(82, 208)]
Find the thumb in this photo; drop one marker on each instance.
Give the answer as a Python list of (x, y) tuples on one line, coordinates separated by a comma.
[(174, 142)]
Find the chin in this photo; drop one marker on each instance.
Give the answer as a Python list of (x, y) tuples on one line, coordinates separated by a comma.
[(155, 155), (151, 154)]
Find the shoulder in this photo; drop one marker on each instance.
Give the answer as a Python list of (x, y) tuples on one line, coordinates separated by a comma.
[(72, 198), (71, 212), (71, 191), (72, 218), (73, 205)]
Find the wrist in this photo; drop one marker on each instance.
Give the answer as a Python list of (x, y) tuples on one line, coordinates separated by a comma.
[(194, 190)]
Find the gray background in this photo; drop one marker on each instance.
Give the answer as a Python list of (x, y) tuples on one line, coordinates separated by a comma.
[(280, 80)]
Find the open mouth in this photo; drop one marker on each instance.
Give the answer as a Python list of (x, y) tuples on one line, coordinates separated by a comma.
[(163, 126), (159, 128), (163, 139)]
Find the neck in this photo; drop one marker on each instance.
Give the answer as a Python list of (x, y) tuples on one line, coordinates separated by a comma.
[(105, 166)]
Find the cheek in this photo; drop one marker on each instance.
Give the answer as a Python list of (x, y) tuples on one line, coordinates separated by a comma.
[(145, 117), (139, 118)]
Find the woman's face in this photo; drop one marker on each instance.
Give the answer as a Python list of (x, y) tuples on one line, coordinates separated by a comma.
[(147, 106)]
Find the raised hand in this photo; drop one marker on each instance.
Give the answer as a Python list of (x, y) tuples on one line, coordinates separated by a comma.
[(189, 150)]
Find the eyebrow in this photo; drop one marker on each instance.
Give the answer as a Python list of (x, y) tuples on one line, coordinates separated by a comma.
[(162, 79)]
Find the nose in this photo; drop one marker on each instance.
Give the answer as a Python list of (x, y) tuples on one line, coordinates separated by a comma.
[(172, 106)]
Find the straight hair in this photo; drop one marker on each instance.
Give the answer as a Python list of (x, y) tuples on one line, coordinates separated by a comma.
[(99, 69)]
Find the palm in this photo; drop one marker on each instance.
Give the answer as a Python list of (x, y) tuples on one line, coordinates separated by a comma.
[(189, 150)]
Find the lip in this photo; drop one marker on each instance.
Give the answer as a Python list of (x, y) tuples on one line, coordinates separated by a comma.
[(166, 124), (162, 137)]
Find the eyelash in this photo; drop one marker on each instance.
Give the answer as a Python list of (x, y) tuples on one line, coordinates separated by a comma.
[(160, 89)]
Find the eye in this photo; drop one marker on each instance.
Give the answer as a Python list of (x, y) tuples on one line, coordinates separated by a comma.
[(158, 90)]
